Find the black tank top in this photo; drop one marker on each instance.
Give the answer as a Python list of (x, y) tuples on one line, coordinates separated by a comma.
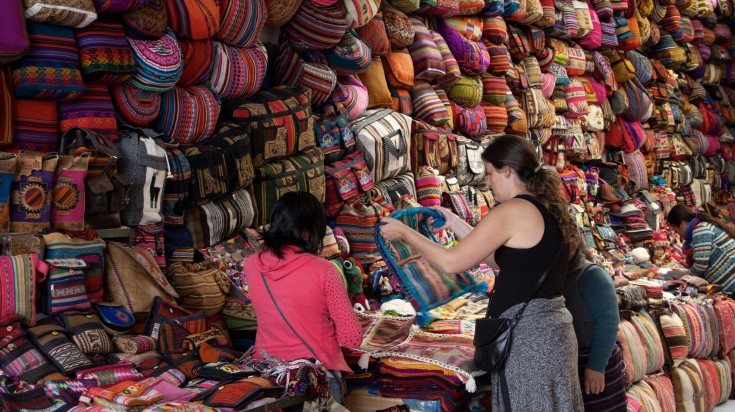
[(520, 269)]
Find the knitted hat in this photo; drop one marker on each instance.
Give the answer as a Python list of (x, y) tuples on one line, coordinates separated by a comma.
[(660, 239)]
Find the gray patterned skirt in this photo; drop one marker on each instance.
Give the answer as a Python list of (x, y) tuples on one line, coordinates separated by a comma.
[(541, 371)]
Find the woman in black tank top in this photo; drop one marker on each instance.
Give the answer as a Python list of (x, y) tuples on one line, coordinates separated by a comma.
[(528, 232)]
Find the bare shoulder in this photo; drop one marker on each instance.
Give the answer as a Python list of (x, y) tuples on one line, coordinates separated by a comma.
[(516, 208)]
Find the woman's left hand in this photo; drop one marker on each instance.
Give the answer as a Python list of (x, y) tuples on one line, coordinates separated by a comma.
[(392, 229)]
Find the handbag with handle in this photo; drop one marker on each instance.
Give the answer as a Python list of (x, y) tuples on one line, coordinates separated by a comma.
[(133, 278)]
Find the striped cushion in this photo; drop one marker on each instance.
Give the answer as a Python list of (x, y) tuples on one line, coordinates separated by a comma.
[(54, 53), (725, 312), (19, 288), (359, 12), (427, 106), (447, 103), (451, 68), (496, 115), (236, 71), (198, 58), (401, 100), (711, 382), (427, 59), (500, 61), (495, 30), (664, 390), (35, 125), (494, 89), (92, 110), (689, 387), (634, 353), (135, 106), (398, 27), (723, 368), (353, 94), (576, 99), (469, 27), (376, 85), (104, 53), (158, 63), (241, 22), (711, 329), (294, 71), (147, 22), (399, 69), (643, 397), (193, 19), (188, 115), (77, 13), (693, 325), (467, 91), (316, 27), (649, 335)]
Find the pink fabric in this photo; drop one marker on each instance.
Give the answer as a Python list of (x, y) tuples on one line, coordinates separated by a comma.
[(311, 294)]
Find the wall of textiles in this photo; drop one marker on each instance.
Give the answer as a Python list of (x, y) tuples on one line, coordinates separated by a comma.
[(186, 120)]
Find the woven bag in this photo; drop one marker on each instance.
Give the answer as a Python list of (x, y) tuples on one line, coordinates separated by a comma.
[(280, 119), (384, 138), (147, 22), (64, 13), (92, 110), (350, 56), (198, 59), (425, 285), (201, 286), (472, 56), (15, 42), (358, 219), (427, 59), (427, 106), (293, 70), (236, 71), (193, 19), (241, 22), (20, 286), (303, 171), (433, 147)]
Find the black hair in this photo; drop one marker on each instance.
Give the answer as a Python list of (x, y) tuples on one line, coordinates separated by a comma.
[(543, 183), (297, 219), (681, 213)]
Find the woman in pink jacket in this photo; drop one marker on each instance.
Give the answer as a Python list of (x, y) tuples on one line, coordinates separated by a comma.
[(300, 299)]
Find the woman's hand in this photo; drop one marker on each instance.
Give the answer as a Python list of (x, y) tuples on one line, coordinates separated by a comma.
[(392, 229), (594, 382), (448, 218)]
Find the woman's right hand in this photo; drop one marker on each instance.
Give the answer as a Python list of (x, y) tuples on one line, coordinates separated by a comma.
[(448, 218)]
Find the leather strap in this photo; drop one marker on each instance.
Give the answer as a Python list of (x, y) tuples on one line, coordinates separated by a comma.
[(265, 282)]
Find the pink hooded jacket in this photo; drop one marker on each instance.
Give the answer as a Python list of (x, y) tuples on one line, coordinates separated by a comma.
[(311, 294)]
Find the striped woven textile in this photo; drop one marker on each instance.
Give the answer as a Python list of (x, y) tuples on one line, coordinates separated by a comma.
[(427, 59), (723, 368), (193, 19), (494, 89), (402, 102), (375, 36), (711, 329), (15, 42), (641, 397), (35, 125), (70, 13), (188, 115), (241, 22), (279, 12), (198, 59), (54, 54), (711, 382), (92, 110), (358, 219), (500, 60), (359, 12), (634, 354), (18, 286), (649, 335), (158, 63), (114, 6), (104, 53), (135, 106), (496, 116), (452, 72), (693, 325), (495, 30), (664, 389), (427, 106), (689, 387), (576, 99), (294, 71), (725, 312), (316, 27), (613, 397), (236, 71)]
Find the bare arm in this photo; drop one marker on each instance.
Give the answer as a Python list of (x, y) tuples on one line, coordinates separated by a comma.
[(492, 232)]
